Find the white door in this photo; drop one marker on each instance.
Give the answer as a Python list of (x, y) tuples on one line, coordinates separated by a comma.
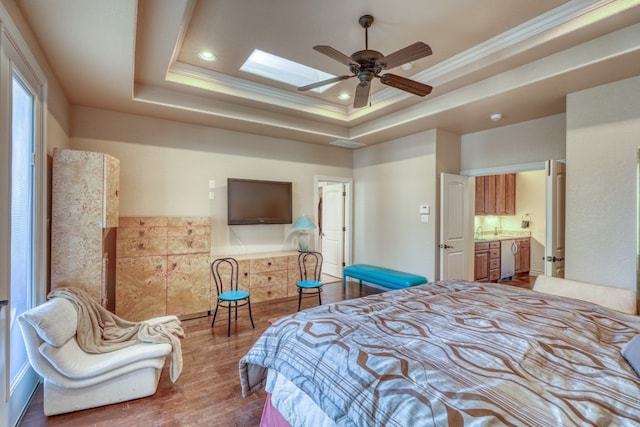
[(555, 218), (456, 260), (332, 227), (22, 221)]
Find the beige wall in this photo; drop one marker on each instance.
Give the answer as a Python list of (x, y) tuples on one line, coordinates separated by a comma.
[(56, 135), (531, 200), (57, 104), (391, 181), (509, 148), (165, 168), (603, 135), (518, 144)]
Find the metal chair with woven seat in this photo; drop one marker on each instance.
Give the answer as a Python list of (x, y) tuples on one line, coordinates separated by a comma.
[(310, 266), (225, 271)]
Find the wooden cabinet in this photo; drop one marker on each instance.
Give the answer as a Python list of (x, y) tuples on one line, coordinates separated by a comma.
[(267, 276), (494, 261), (495, 195), (480, 198), (163, 267), (487, 261), (523, 256), (506, 194), (84, 210), (481, 262)]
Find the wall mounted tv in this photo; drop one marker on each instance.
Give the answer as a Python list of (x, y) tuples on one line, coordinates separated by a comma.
[(251, 201)]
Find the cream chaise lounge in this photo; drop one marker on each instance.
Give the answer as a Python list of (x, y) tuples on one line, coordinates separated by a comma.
[(75, 380)]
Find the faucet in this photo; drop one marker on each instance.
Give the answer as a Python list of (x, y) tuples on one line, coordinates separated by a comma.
[(479, 232)]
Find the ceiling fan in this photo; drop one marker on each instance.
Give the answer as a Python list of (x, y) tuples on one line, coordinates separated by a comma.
[(367, 64)]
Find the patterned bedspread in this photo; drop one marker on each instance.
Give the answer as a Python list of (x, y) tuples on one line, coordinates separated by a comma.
[(457, 354)]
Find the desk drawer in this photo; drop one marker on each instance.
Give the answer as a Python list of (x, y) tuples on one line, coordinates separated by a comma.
[(188, 244), (145, 246), (141, 232), (268, 285), (269, 264), (142, 221)]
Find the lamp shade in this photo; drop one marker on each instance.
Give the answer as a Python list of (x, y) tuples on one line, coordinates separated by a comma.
[(303, 223)]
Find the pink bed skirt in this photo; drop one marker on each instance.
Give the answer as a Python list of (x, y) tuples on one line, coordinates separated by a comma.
[(270, 415)]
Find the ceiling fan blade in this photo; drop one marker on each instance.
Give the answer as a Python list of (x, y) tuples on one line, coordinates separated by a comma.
[(324, 82), (405, 84), (335, 54), (362, 94), (410, 53)]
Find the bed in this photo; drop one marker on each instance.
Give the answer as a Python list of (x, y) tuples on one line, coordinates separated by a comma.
[(449, 353)]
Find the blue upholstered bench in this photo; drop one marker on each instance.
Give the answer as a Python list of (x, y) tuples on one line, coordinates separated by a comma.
[(384, 277)]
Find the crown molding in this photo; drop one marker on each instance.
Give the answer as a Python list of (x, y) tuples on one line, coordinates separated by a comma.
[(203, 78), (508, 43), (555, 23)]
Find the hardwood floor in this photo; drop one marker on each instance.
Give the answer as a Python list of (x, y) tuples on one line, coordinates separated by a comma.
[(208, 391), (521, 281)]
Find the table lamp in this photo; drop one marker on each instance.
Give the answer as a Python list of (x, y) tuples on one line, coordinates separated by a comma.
[(303, 224)]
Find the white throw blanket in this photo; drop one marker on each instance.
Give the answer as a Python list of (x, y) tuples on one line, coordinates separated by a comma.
[(100, 331)]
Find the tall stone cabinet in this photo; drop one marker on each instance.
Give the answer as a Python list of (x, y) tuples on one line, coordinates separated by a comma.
[(84, 218)]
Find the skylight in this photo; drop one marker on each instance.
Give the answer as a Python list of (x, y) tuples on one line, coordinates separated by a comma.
[(283, 70)]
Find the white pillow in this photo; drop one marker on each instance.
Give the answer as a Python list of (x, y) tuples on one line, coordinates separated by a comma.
[(631, 352), (55, 321), (623, 300)]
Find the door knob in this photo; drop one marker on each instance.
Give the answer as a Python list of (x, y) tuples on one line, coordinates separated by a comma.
[(445, 246), (553, 259)]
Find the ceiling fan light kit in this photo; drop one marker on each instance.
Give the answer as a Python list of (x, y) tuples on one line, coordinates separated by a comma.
[(368, 64)]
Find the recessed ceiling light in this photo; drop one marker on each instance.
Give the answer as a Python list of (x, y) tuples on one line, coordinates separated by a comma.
[(207, 56), (344, 96), (496, 117)]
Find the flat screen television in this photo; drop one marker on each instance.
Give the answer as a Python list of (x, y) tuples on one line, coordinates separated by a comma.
[(251, 201)]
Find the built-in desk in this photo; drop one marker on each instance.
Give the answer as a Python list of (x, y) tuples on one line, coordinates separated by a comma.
[(267, 276)]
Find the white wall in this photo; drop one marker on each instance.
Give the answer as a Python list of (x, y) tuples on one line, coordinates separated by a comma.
[(391, 181), (165, 168), (603, 135)]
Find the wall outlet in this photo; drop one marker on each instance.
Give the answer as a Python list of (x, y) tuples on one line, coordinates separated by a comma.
[(212, 195), (212, 184)]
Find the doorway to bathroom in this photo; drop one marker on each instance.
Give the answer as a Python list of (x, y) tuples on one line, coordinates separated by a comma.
[(333, 214)]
